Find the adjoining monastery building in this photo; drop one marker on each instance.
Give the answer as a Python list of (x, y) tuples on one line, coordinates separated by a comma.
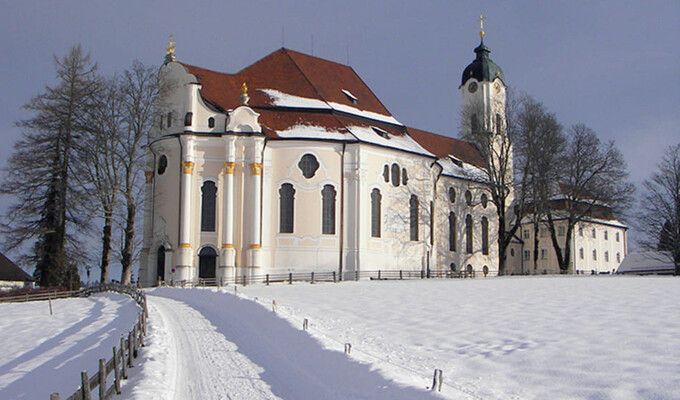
[(294, 165)]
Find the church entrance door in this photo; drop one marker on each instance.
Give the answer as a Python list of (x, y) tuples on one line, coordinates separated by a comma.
[(207, 263)]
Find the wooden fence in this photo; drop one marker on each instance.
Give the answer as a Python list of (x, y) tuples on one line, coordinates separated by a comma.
[(123, 355), (49, 295), (313, 277)]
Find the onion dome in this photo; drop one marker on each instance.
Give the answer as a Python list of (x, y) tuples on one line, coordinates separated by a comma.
[(482, 68)]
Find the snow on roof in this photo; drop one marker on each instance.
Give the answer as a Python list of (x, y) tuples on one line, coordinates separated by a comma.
[(452, 166), (648, 262), (403, 142), (313, 132), (365, 114), (350, 95), (281, 99)]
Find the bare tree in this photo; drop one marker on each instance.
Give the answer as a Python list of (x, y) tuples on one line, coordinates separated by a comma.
[(660, 220), (140, 89), (592, 178), (98, 164), (539, 142), (496, 149), (48, 206)]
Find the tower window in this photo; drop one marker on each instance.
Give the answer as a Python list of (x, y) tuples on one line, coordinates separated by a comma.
[(499, 124), (375, 212), (404, 176), (328, 210), (594, 255), (211, 122), (386, 173), (474, 125), (580, 253), (187, 118), (209, 191), (413, 220), (452, 195), (286, 208), (485, 200), (468, 198), (169, 123)]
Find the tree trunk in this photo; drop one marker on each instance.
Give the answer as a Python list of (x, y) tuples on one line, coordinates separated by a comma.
[(106, 247), (126, 261)]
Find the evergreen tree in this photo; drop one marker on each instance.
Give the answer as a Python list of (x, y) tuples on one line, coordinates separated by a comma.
[(48, 206)]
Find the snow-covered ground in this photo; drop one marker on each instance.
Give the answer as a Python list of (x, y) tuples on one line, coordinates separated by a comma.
[(496, 338), (43, 353)]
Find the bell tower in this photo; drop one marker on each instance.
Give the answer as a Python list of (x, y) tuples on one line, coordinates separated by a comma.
[(483, 89)]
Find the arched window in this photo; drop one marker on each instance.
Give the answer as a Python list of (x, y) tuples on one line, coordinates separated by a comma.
[(375, 212), (485, 270), (474, 125), (287, 199), (160, 264), (386, 173), (484, 199), (308, 165), (211, 122), (468, 198), (413, 206), (468, 234), (169, 122), (404, 176), (328, 210), (452, 195), (162, 164), (452, 231), (187, 118), (209, 191), (395, 175), (485, 235), (469, 269), (452, 267), (207, 263)]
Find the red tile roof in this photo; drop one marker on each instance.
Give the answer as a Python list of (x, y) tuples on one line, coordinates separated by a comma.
[(309, 77)]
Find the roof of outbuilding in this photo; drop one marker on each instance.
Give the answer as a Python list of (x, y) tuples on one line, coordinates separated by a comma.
[(11, 272)]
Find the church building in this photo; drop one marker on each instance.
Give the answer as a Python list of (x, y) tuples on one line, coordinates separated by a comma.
[(294, 165)]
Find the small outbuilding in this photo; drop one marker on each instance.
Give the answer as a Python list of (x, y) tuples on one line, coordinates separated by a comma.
[(647, 263), (11, 276)]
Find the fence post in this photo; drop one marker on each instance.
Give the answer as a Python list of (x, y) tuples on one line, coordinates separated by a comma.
[(437, 380), (274, 305), (244, 281), (379, 275), (290, 278), (102, 378), (123, 364), (401, 277), (356, 275), (312, 277), (305, 324), (85, 386), (116, 371), (130, 349), (334, 277), (348, 348), (267, 280)]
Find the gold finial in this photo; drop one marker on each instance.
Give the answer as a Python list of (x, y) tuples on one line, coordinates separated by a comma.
[(244, 94), (481, 26), (170, 50)]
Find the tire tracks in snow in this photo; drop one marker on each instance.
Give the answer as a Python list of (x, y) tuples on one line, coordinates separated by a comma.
[(207, 365)]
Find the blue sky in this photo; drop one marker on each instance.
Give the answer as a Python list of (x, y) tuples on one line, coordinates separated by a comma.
[(612, 65)]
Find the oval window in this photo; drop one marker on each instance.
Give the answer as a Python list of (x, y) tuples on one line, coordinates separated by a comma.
[(484, 200), (162, 164), (468, 198), (395, 175), (452, 195), (308, 165)]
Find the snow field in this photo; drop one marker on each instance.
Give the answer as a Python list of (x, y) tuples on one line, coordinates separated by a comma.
[(502, 338), (43, 353)]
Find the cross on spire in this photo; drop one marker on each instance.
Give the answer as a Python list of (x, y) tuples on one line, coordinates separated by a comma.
[(481, 26)]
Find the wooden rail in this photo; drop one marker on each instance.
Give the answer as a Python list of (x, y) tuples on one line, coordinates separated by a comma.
[(123, 355), (333, 276)]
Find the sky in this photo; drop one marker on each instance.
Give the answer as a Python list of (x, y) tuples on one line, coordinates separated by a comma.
[(612, 65)]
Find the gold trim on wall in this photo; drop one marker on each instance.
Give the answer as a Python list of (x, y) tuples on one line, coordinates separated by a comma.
[(188, 167), (184, 246), (256, 168), (229, 168)]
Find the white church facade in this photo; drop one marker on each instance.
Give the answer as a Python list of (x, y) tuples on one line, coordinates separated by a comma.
[(294, 165)]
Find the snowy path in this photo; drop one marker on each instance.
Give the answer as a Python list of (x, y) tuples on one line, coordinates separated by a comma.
[(209, 345)]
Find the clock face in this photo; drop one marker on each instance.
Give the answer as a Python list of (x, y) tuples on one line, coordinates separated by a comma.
[(472, 87)]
